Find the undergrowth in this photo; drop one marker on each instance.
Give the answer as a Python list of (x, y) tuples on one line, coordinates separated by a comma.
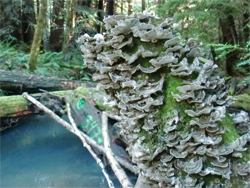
[(243, 66), (57, 64)]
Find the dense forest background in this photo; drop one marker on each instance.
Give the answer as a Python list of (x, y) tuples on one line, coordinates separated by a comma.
[(223, 26)]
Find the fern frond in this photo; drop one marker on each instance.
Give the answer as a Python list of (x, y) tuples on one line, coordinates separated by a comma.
[(247, 62), (246, 81)]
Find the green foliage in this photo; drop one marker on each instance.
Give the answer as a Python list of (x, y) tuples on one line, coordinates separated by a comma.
[(224, 49), (10, 57), (244, 65), (56, 64), (246, 80), (200, 19), (11, 18)]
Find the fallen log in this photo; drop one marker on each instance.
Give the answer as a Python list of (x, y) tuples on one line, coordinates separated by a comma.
[(16, 83), (15, 107)]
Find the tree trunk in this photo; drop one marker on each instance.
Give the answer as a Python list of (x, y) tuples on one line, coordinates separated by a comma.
[(37, 7), (2, 24), (100, 14), (86, 3), (130, 8), (28, 21), (159, 4), (68, 23), (110, 7), (246, 21), (56, 30), (121, 6), (17, 14), (38, 35), (229, 36), (143, 5)]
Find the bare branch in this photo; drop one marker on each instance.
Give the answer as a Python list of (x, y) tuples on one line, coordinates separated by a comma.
[(89, 140), (119, 172), (85, 144)]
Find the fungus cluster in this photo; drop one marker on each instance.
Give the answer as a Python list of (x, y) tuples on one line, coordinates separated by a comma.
[(137, 61)]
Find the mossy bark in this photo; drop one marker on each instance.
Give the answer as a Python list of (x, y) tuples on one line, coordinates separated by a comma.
[(15, 105), (41, 21)]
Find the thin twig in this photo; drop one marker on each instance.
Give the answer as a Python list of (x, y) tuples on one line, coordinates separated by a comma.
[(119, 172), (85, 144), (64, 123)]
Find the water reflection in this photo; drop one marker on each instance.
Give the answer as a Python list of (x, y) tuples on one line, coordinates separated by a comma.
[(41, 153)]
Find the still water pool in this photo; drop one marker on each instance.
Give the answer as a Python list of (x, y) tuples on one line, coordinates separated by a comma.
[(41, 153)]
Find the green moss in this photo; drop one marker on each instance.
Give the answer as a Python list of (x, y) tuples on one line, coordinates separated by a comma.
[(170, 104), (11, 105), (153, 47), (86, 93), (242, 101), (99, 102), (166, 111), (230, 134)]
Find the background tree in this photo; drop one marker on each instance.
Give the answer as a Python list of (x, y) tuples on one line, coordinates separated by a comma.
[(100, 14), (56, 29), (68, 23), (130, 9), (28, 21), (38, 35), (110, 8), (143, 5)]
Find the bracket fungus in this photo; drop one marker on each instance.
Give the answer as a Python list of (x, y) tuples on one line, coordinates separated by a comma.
[(171, 104)]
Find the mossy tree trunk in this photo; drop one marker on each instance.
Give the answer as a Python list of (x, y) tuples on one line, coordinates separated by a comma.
[(172, 108), (38, 35)]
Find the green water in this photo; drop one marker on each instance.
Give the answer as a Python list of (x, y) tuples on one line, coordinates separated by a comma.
[(41, 153)]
